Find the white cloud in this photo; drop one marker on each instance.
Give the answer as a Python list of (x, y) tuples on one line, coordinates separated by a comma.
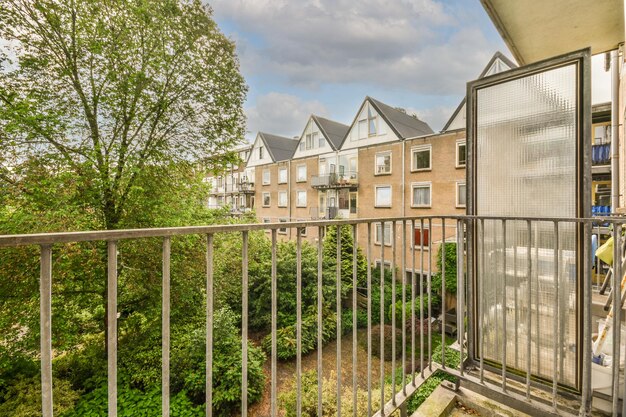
[(281, 114), (419, 45)]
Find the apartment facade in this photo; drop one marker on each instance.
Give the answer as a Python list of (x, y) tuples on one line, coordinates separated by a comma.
[(228, 186), (386, 163)]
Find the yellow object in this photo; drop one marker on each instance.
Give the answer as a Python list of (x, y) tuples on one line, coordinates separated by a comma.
[(605, 252)]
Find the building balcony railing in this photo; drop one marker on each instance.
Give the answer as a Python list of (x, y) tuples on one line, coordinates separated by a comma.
[(335, 180), (522, 287), (245, 187)]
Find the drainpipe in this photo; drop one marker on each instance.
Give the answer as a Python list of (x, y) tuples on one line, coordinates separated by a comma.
[(614, 131), (403, 211), (289, 202)]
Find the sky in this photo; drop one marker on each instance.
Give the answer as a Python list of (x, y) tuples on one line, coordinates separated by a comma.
[(303, 57)]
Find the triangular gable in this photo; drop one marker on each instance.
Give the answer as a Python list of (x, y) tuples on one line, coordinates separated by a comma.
[(313, 140), (368, 127), (258, 157), (498, 63)]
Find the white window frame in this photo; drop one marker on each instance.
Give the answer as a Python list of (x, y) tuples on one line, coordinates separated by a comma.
[(298, 178), (422, 148), (376, 195), (298, 193), (282, 170), (269, 195), (383, 154), (460, 143), (376, 237), (282, 230), (283, 203), (418, 226), (422, 185), (459, 183), (267, 181)]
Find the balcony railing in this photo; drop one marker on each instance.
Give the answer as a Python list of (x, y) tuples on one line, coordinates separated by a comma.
[(525, 303), (335, 180), (245, 187)]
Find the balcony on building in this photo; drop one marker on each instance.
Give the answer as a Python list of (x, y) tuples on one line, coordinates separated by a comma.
[(348, 179), (245, 187)]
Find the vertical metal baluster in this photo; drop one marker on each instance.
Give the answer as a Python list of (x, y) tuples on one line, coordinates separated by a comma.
[(393, 313), (165, 332), (538, 345), (443, 293), (481, 300), (421, 325), (298, 321), (504, 305), (354, 317), (382, 318), (404, 307), (112, 328), (244, 325), (338, 301), (461, 284), (413, 295), (529, 261), (369, 319), (320, 341), (617, 311), (555, 357), (45, 325), (587, 322), (274, 323), (209, 326), (429, 291)]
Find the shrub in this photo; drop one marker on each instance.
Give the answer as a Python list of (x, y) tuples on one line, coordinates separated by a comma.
[(451, 259), (22, 398), (329, 397), (388, 341), (434, 302), (132, 402), (286, 340), (188, 364)]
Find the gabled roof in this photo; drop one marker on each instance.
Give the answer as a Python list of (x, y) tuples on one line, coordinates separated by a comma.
[(333, 131), (280, 148), (497, 56), (404, 125)]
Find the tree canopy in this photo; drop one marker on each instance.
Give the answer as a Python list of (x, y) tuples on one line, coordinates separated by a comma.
[(106, 91)]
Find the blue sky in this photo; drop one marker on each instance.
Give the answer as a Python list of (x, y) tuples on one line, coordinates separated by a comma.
[(324, 56)]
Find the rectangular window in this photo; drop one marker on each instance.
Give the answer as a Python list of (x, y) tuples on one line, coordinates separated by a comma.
[(353, 203), (282, 199), (301, 173), (309, 142), (301, 199), (383, 163), (363, 129), (282, 175), (344, 199), (460, 194), (220, 182), (460, 154), (322, 142), (372, 119), (387, 234), (421, 158), (383, 196), (266, 199), (260, 152), (266, 177), (302, 231), (421, 236), (421, 194), (301, 145), (266, 220), (282, 230)]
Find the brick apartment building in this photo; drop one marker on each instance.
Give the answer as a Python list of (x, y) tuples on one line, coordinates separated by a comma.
[(386, 163)]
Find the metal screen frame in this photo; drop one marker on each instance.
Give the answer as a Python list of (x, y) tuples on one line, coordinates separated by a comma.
[(582, 60)]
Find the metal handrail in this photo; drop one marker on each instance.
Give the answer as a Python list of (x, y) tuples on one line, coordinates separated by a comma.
[(466, 307)]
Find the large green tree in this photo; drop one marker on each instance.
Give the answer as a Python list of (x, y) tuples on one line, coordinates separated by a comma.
[(105, 91)]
